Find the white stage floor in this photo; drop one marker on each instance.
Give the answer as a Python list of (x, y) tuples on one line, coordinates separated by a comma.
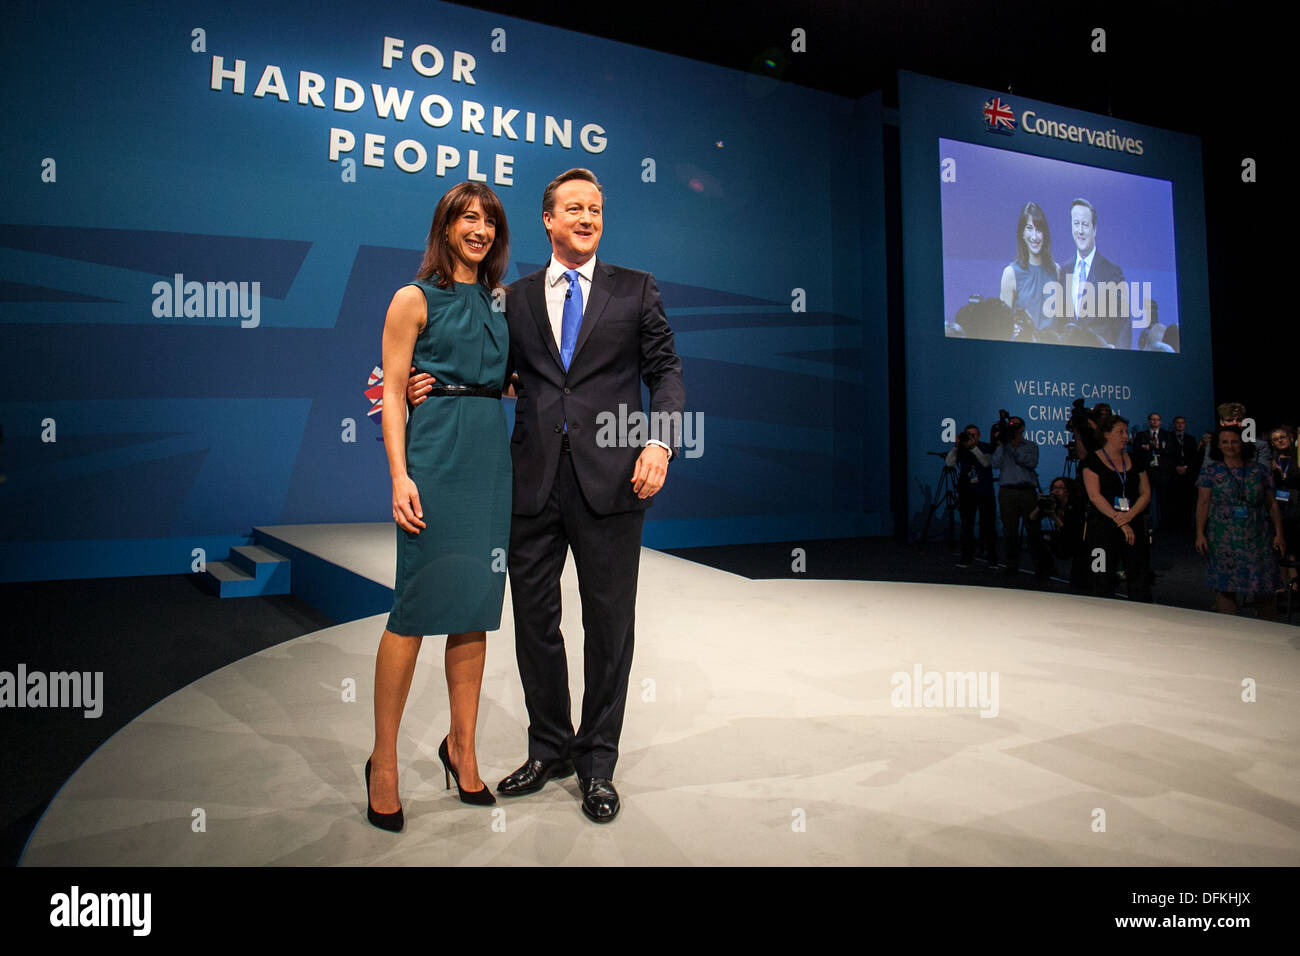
[(759, 730)]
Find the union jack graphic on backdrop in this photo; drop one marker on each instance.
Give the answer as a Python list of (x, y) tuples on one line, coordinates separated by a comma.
[(375, 392), (999, 117)]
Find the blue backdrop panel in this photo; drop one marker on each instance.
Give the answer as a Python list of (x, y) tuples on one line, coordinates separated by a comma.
[(970, 161), (192, 288)]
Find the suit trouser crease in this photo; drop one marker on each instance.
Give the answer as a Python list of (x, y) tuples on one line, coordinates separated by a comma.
[(606, 552)]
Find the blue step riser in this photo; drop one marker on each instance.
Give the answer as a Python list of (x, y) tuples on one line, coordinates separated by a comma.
[(253, 568), (274, 578)]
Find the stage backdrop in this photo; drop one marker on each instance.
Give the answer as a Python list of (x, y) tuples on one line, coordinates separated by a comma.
[(972, 160), (209, 206)]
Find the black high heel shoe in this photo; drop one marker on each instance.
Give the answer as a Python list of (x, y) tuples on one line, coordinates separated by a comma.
[(385, 821), (479, 798)]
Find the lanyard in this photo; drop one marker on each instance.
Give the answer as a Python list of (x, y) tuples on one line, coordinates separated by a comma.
[(1122, 472)]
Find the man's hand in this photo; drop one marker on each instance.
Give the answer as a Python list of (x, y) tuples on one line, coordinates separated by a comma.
[(650, 472), (417, 387), (1181, 469)]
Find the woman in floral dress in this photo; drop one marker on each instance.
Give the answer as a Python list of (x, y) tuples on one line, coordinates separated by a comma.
[(1238, 524)]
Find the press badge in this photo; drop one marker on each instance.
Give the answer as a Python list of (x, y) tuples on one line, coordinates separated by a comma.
[(1239, 512), (1121, 503), (1282, 495)]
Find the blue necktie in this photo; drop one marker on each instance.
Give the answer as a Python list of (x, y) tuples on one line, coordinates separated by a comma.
[(571, 319), (1080, 278)]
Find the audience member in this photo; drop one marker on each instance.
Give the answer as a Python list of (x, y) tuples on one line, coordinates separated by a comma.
[(973, 460), (1119, 493), (1238, 524)]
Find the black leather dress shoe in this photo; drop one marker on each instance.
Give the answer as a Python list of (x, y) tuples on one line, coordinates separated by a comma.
[(599, 798), (532, 775)]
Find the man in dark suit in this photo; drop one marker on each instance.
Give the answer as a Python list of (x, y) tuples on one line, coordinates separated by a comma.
[(1153, 447), (1096, 297), (584, 335), (1182, 482)]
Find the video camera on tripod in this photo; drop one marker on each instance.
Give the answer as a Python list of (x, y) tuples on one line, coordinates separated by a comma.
[(1007, 428)]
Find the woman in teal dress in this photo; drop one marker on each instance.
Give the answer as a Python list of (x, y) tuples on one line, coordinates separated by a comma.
[(1238, 524), (1027, 279), (451, 453)]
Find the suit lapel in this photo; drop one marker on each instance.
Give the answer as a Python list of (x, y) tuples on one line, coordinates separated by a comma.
[(535, 295), (601, 283)]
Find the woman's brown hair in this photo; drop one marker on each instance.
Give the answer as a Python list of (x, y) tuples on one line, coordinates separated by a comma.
[(438, 259)]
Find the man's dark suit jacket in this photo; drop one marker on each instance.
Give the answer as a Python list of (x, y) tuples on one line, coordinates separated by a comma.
[(1161, 444), (1116, 330), (624, 339), (1189, 456)]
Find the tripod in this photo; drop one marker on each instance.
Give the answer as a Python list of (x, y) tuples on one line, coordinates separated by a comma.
[(1071, 467), (944, 499)]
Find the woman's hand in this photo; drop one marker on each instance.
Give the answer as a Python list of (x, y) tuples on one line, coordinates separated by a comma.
[(406, 505), (1129, 536), (1279, 543), (1202, 546), (1122, 518)]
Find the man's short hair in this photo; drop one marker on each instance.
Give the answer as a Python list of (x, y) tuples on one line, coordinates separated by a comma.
[(1089, 206), (548, 195), (1231, 411)]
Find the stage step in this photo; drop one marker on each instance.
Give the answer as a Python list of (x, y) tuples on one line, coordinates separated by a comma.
[(251, 570)]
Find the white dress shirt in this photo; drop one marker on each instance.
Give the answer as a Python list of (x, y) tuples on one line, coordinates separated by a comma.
[(557, 287)]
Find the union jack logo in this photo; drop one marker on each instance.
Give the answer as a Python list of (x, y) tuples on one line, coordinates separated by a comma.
[(999, 116), (375, 392)]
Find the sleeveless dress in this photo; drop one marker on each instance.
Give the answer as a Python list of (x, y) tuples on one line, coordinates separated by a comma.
[(451, 577), (1030, 292)]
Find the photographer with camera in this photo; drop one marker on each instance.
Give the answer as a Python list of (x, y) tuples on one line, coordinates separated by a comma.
[(1016, 458), (973, 460), (1062, 511), (1084, 425)]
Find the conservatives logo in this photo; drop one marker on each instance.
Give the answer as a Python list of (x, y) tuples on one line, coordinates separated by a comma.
[(999, 117)]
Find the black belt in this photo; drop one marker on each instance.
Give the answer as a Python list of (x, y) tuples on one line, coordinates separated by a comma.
[(467, 391)]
